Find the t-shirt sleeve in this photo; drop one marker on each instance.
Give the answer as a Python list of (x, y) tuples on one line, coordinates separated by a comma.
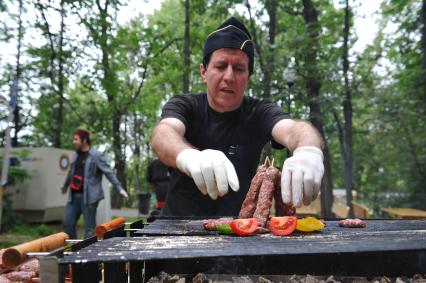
[(271, 115), (180, 107)]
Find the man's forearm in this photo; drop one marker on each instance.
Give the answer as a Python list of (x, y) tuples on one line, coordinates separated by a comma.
[(167, 143), (293, 134)]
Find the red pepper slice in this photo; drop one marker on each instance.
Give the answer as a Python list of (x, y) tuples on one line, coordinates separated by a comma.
[(244, 227), (283, 226)]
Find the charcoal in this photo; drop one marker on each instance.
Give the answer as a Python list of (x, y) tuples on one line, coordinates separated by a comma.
[(310, 279), (200, 278), (331, 279), (241, 279), (263, 280)]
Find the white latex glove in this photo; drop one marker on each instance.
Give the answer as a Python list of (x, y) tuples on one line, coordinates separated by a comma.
[(211, 170), (302, 175), (124, 193)]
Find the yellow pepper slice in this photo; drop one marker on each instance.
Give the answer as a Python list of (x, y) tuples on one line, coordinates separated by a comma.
[(309, 224)]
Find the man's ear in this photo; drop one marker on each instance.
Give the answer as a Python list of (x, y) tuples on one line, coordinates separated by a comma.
[(203, 71)]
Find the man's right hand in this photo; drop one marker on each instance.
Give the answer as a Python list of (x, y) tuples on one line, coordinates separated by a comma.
[(64, 190), (211, 170)]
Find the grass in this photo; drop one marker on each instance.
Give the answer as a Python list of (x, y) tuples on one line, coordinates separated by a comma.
[(26, 232)]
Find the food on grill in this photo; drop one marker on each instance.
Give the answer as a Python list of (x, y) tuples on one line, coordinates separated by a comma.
[(102, 228), (16, 255), (211, 224), (18, 276), (282, 225), (225, 229), (23, 273), (266, 194), (249, 205), (244, 227), (262, 230), (281, 208), (309, 224), (265, 186), (352, 223)]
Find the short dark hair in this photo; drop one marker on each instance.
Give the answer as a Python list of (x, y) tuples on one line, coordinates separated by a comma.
[(83, 135)]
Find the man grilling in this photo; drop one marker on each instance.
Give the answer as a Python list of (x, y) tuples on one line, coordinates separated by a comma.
[(214, 140)]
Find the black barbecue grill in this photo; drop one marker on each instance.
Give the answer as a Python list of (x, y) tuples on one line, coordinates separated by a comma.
[(181, 246)]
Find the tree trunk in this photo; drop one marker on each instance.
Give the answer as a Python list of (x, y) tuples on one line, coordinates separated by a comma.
[(120, 163), (271, 7), (423, 46), (110, 86), (187, 51), (347, 112), (137, 152), (60, 113), (313, 86), (16, 111)]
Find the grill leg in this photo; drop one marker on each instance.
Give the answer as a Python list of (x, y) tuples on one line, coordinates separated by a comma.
[(115, 272), (135, 271), (85, 272)]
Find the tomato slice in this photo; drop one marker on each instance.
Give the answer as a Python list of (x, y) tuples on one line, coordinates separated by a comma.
[(244, 227), (283, 226)]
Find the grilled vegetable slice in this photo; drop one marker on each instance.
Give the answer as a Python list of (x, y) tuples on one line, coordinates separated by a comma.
[(309, 224), (283, 225), (224, 229), (244, 227)]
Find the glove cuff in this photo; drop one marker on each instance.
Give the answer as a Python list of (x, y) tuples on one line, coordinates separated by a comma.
[(311, 149), (183, 157)]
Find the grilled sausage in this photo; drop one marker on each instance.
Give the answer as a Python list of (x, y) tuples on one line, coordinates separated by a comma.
[(266, 193), (249, 205), (352, 223), (281, 208)]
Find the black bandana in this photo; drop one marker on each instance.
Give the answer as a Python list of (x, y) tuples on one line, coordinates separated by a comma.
[(231, 34)]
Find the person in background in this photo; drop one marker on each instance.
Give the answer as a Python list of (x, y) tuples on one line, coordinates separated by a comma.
[(214, 140), (158, 176), (85, 182)]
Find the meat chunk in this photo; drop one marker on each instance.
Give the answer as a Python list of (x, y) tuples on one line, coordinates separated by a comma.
[(211, 224), (266, 194), (30, 266), (20, 276), (352, 223), (249, 205)]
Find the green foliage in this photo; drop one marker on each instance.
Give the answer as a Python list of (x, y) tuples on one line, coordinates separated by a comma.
[(128, 72), (9, 218), (16, 175)]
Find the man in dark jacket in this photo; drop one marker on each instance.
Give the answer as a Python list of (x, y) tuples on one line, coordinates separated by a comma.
[(85, 182)]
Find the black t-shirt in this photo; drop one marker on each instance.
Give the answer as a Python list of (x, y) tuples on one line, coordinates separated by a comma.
[(77, 182), (159, 174), (240, 135)]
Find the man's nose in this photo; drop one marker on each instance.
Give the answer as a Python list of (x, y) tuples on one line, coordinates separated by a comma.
[(229, 74)]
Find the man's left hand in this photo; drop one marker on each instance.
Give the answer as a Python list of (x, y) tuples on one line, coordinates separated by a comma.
[(302, 175), (124, 193)]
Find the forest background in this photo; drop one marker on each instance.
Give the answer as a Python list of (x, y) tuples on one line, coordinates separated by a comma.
[(90, 70)]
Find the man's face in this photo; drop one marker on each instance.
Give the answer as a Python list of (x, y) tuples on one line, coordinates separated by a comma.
[(226, 77), (77, 142)]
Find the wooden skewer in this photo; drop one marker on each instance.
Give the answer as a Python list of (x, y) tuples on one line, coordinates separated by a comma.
[(267, 161), (16, 255), (115, 223)]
